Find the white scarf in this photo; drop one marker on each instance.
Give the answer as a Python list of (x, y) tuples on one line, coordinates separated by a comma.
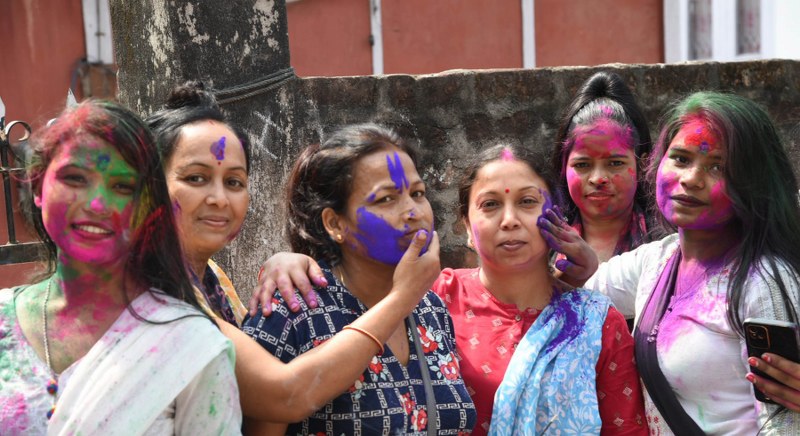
[(137, 369)]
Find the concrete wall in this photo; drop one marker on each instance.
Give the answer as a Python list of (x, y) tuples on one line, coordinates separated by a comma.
[(451, 116)]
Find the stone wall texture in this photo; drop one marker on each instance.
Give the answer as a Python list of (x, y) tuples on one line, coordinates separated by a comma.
[(451, 116)]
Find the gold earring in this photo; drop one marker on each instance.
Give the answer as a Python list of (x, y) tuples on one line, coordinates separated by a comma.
[(339, 238)]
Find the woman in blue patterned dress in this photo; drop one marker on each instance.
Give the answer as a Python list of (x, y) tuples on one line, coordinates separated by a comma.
[(358, 205)]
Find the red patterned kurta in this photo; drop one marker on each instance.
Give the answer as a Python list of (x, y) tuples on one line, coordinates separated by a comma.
[(488, 331)]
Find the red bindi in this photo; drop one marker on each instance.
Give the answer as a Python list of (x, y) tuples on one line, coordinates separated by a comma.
[(507, 191)]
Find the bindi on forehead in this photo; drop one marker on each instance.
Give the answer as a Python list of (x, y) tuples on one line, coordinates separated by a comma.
[(218, 150)]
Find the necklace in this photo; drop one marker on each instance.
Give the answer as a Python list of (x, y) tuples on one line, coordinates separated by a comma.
[(52, 385)]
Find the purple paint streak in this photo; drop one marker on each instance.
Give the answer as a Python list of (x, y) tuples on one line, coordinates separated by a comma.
[(383, 242), (397, 173), (218, 149), (562, 308)]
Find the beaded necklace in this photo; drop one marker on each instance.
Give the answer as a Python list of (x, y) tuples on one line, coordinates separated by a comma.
[(52, 385)]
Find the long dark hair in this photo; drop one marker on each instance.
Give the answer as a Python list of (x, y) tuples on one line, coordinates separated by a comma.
[(155, 259), (603, 96), (322, 177), (759, 181), (189, 103)]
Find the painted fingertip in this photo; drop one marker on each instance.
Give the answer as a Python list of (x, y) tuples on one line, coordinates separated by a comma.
[(422, 234), (752, 362), (562, 264), (766, 358), (751, 378), (312, 300)]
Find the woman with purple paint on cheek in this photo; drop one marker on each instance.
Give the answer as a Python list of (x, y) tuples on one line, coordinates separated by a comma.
[(724, 181), (113, 339), (358, 205), (512, 319), (207, 165)]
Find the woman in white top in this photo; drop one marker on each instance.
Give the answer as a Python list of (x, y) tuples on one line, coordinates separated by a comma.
[(112, 340), (724, 182)]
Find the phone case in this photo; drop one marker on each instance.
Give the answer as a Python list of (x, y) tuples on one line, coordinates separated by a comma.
[(767, 335)]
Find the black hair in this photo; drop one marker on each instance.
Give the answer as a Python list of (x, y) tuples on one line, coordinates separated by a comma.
[(187, 104)]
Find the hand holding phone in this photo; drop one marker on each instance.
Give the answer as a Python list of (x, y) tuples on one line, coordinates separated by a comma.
[(771, 336)]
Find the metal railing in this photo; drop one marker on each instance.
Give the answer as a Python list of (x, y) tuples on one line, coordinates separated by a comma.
[(13, 251)]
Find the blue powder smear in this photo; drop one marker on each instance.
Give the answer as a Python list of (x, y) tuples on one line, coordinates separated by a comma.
[(397, 173), (218, 149), (383, 242), (102, 162)]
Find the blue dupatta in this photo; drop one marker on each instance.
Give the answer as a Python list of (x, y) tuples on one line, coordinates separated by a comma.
[(550, 383)]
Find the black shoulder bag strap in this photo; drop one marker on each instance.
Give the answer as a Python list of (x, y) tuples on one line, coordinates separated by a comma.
[(430, 398), (645, 334)]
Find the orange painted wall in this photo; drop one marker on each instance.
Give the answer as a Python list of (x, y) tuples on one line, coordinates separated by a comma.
[(593, 32), (41, 41), (424, 36), (329, 37)]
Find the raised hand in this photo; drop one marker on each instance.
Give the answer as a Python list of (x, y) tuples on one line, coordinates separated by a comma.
[(416, 272), (581, 261), (286, 272)]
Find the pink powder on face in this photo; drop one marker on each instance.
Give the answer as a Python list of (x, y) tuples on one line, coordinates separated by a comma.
[(666, 183), (595, 148), (721, 210)]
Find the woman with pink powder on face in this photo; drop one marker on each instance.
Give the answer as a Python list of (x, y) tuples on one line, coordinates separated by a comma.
[(113, 339), (601, 145), (724, 181)]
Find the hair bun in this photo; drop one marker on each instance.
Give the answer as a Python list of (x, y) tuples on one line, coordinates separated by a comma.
[(191, 93), (601, 85)]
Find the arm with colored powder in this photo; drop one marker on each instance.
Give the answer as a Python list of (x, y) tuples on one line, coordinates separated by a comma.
[(286, 272), (273, 391)]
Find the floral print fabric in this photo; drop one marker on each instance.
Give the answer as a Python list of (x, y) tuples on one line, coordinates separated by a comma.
[(388, 398)]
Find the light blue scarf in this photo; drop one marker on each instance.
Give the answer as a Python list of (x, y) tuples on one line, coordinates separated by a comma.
[(549, 386)]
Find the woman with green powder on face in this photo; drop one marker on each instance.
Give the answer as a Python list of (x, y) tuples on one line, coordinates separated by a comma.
[(112, 340)]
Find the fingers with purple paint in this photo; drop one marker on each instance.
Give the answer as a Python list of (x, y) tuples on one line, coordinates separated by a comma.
[(289, 274)]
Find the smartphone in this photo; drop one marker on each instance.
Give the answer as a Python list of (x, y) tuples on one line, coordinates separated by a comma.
[(771, 336)]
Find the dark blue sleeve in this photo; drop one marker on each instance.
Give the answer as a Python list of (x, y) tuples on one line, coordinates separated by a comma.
[(276, 333)]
